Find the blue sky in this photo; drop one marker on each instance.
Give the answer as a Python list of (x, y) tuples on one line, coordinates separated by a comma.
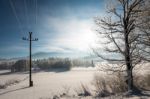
[(65, 26)]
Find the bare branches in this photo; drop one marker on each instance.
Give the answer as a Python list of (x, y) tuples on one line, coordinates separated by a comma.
[(120, 30), (108, 59), (144, 29)]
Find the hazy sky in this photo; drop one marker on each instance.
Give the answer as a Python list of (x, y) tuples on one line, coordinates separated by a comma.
[(65, 26)]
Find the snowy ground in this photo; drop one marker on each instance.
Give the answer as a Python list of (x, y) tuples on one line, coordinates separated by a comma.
[(46, 84)]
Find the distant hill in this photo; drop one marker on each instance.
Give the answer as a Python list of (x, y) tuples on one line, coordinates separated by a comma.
[(41, 55), (3, 59), (38, 55)]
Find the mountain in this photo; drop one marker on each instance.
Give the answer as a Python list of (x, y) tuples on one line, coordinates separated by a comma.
[(3, 59), (41, 55)]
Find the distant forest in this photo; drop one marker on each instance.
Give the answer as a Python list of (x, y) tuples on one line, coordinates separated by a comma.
[(46, 64)]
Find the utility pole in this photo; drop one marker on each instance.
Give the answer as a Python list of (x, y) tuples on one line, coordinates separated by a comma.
[(30, 39)]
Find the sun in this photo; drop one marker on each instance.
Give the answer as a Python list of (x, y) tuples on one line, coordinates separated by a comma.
[(87, 40), (82, 41), (74, 34)]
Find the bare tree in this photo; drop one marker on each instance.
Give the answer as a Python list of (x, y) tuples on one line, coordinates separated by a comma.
[(144, 29), (121, 36)]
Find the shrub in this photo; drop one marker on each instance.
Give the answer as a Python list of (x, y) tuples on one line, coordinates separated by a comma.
[(142, 81), (147, 80), (6, 65), (100, 85), (118, 84), (20, 65), (2, 86), (8, 83), (83, 91), (105, 86)]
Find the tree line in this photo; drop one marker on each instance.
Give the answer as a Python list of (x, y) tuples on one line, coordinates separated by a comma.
[(46, 64)]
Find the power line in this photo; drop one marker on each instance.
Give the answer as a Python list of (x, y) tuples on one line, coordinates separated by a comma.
[(36, 11), (34, 3), (15, 13), (26, 14)]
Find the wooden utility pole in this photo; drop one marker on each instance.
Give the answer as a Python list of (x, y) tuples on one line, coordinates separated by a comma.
[(30, 39)]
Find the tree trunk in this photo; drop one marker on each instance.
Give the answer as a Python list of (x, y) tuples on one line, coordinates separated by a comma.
[(130, 80), (128, 61)]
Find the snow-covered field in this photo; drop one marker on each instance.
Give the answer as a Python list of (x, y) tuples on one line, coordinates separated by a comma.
[(46, 84)]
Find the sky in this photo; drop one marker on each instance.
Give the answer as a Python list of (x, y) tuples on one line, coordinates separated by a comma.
[(64, 26)]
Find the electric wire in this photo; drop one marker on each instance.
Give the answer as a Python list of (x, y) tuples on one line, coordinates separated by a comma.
[(36, 12), (26, 15), (16, 16)]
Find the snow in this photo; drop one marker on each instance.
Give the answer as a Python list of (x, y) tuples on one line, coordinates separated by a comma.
[(46, 84)]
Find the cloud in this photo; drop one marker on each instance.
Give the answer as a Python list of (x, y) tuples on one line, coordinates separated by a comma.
[(71, 28), (53, 49), (73, 33)]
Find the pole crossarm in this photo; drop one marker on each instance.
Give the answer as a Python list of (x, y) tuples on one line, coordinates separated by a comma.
[(27, 39)]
